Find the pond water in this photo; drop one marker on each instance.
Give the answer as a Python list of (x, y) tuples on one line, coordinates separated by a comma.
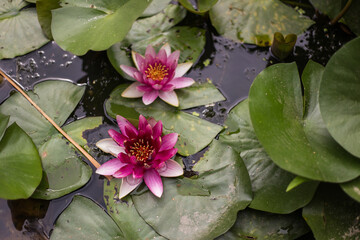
[(232, 68)]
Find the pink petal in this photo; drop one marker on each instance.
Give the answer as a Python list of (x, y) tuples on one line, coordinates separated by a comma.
[(124, 171), (152, 121), (168, 141), (138, 172), (124, 158), (173, 58), (150, 53), (168, 87), (157, 86), (148, 130), (157, 143), (139, 60), (110, 167), (182, 68), (118, 137), (130, 132), (123, 122), (128, 70), (166, 154), (157, 129), (149, 97), (153, 181), (170, 97), (145, 88), (167, 49), (138, 77), (142, 123), (171, 169), (128, 184), (182, 82), (162, 56), (132, 91), (108, 145)]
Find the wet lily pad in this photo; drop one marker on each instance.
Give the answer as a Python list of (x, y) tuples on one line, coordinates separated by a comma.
[(20, 164), (269, 182), (58, 99), (294, 135), (194, 133), (125, 215), (256, 21), (202, 6), (252, 224), (157, 30), (339, 97), (84, 219), (20, 31), (82, 25), (332, 214), (181, 216)]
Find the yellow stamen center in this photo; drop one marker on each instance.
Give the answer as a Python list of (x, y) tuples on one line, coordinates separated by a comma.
[(141, 150), (156, 72)]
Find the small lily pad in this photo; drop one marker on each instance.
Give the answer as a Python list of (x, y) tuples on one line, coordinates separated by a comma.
[(256, 22), (84, 219), (202, 6), (293, 133), (352, 188), (43, 9), (20, 31), (194, 133), (83, 25)]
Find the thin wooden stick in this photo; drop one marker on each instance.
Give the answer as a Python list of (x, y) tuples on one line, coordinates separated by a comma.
[(343, 11), (85, 153)]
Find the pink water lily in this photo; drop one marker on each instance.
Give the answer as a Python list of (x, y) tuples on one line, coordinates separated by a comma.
[(157, 75), (141, 154)]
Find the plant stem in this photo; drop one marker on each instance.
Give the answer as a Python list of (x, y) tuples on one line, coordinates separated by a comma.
[(343, 11), (85, 153)]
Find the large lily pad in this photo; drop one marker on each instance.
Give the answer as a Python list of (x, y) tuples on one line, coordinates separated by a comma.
[(43, 9), (333, 215), (183, 214), (256, 21), (58, 99), (125, 215), (20, 164), (269, 182), (84, 219), (252, 224), (194, 133), (294, 135), (157, 30), (20, 31), (339, 97), (83, 25), (155, 7)]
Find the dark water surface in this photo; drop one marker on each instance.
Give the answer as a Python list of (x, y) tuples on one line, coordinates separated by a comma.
[(232, 69)]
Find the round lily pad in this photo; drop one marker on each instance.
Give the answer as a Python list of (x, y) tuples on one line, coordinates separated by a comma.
[(256, 22), (352, 188), (269, 182), (340, 99), (201, 208), (20, 31), (293, 133)]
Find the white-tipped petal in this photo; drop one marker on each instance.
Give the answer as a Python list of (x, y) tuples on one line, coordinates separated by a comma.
[(171, 169), (170, 97), (132, 91), (182, 68), (167, 49), (133, 56), (108, 145), (128, 184)]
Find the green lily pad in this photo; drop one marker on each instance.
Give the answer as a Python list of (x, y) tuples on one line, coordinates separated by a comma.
[(332, 214), (20, 31), (328, 7), (125, 215), (194, 133), (181, 216), (269, 182), (352, 188), (58, 158), (155, 7), (58, 99), (339, 97), (202, 6), (20, 164), (294, 135), (43, 9), (252, 224), (83, 25), (282, 46), (157, 30), (84, 219), (256, 21), (4, 120)]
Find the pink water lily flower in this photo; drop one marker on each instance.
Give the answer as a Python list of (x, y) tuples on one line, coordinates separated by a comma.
[(157, 75), (141, 154)]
